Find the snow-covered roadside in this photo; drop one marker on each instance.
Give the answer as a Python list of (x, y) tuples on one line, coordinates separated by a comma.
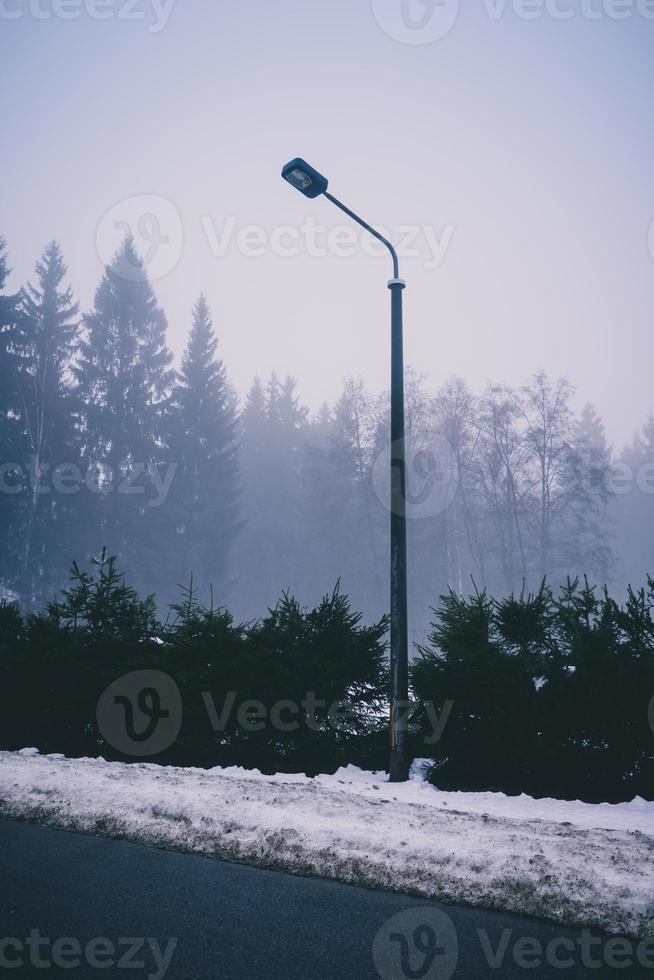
[(546, 858), (636, 815)]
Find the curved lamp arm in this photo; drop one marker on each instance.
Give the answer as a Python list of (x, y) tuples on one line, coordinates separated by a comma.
[(364, 224)]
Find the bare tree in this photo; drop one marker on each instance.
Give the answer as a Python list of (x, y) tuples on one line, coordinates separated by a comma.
[(501, 465), (549, 442)]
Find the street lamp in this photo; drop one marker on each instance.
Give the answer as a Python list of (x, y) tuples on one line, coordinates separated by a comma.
[(312, 184)]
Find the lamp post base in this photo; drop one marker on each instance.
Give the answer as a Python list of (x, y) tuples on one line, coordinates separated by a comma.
[(399, 768)]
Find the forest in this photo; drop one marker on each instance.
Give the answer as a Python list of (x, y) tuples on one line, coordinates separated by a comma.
[(105, 442)]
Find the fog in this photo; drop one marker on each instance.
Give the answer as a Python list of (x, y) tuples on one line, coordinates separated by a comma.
[(507, 154)]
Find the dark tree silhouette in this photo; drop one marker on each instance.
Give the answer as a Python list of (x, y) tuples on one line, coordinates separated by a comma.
[(125, 380), (203, 509)]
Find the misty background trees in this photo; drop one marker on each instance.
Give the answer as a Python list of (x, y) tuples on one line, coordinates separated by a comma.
[(104, 442)]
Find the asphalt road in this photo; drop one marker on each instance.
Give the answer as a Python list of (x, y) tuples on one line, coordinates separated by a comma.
[(97, 908)]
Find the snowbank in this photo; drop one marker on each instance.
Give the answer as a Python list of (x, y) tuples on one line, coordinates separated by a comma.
[(572, 863), (636, 815)]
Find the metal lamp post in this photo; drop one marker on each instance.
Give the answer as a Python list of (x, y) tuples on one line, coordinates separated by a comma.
[(312, 184)]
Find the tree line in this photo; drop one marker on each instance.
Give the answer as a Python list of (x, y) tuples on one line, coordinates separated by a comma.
[(104, 442)]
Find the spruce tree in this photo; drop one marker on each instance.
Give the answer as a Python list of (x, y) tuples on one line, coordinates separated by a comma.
[(253, 417), (590, 434), (125, 376), (203, 445)]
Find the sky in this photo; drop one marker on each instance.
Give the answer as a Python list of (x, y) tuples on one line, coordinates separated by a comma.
[(505, 144)]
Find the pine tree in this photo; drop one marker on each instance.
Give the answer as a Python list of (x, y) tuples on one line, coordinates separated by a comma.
[(589, 432), (285, 407), (203, 445), (125, 377), (253, 417), (45, 343)]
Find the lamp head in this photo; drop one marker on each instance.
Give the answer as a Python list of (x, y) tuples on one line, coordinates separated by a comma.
[(304, 178)]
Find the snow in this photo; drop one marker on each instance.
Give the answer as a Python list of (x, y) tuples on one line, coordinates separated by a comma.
[(570, 862)]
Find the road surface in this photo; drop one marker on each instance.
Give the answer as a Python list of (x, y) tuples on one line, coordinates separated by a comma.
[(123, 910)]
